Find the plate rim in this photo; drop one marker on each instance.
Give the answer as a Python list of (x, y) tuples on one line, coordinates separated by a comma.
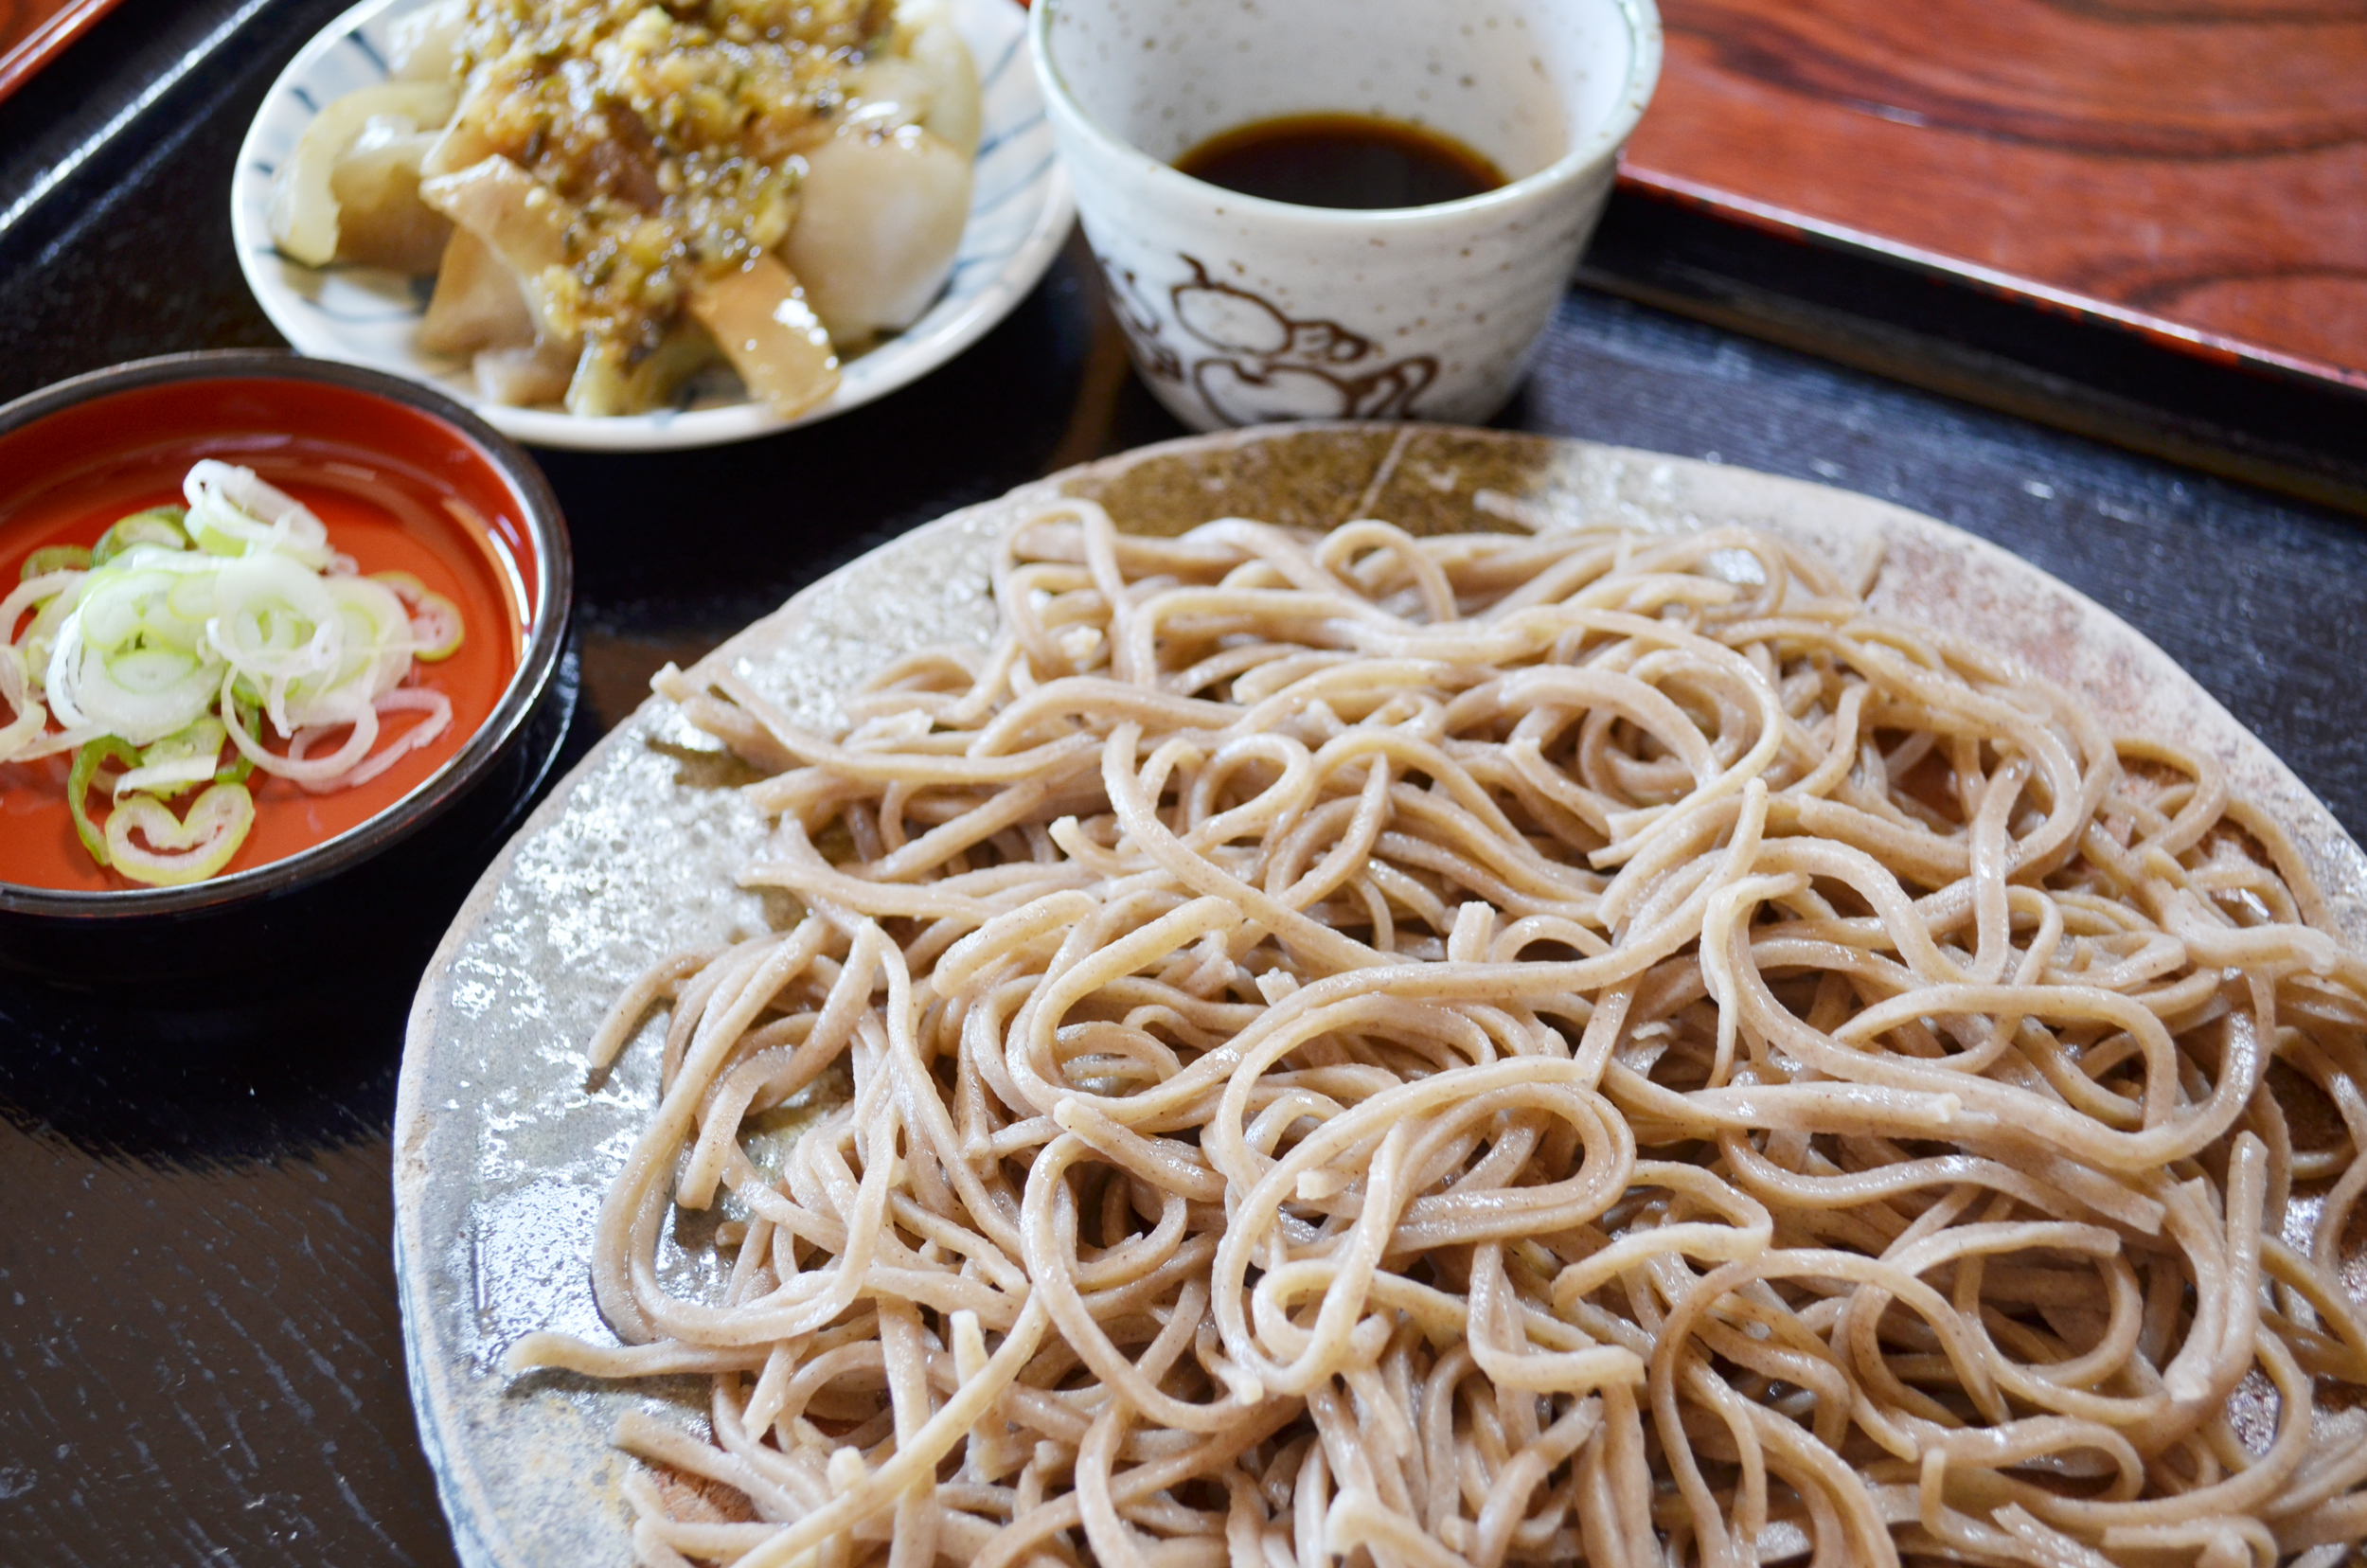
[(1021, 271), (436, 1370)]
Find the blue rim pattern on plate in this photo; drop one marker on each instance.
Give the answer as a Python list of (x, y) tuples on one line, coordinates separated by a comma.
[(1020, 213)]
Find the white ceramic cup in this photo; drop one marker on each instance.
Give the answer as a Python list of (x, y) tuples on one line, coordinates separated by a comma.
[(1238, 309)]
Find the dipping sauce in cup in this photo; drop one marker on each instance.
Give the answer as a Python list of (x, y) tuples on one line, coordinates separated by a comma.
[(1241, 308), (1351, 161)]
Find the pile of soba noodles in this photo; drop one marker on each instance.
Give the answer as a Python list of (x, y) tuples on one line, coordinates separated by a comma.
[(1484, 1049)]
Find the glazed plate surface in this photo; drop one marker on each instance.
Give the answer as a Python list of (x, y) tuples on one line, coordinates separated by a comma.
[(503, 1153)]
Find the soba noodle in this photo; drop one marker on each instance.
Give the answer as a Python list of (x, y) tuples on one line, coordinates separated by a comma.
[(1485, 1049)]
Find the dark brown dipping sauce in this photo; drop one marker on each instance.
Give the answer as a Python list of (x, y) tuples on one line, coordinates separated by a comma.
[(1342, 161)]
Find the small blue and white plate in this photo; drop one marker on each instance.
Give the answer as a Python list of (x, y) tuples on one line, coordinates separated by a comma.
[(1019, 215)]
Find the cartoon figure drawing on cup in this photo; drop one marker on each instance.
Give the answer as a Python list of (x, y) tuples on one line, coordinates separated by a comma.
[(1271, 366), (1239, 309), (1140, 321)]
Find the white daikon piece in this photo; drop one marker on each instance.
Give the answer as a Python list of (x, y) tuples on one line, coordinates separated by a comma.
[(879, 222)]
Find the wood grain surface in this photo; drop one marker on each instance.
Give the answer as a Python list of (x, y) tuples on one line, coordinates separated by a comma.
[(2194, 169), (33, 30)]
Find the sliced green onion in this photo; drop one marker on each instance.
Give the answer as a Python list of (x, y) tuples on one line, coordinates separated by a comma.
[(192, 597), (116, 603), (160, 526), (49, 614), (203, 739), (182, 631), (163, 780), (239, 769), (87, 761), (436, 622), (145, 671), (139, 695), (183, 850), (233, 512), (30, 720), (175, 764), (54, 557)]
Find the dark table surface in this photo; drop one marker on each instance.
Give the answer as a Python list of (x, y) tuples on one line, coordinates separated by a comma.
[(200, 1352)]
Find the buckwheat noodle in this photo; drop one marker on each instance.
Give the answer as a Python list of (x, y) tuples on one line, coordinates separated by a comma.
[(1485, 1049)]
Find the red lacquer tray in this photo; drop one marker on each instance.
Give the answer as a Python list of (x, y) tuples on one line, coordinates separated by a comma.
[(31, 31), (2195, 170)]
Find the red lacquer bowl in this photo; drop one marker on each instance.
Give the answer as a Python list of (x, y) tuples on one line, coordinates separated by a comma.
[(405, 479)]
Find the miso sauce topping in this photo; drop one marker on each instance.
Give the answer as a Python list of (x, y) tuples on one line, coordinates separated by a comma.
[(1342, 161)]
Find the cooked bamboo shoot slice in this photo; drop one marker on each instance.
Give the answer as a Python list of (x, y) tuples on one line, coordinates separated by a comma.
[(521, 377), (521, 221), (761, 321), (477, 303), (658, 377), (303, 215), (381, 220)]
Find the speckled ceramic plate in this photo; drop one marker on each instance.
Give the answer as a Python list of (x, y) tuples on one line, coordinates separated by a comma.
[(1019, 211), (502, 1155)]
